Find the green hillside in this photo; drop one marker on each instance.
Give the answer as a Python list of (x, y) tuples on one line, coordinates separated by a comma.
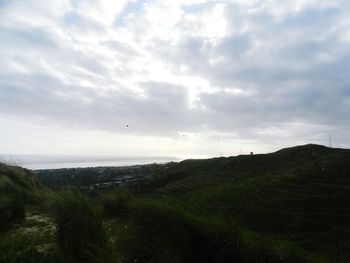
[(287, 206), (23, 224), (17, 188), (300, 195)]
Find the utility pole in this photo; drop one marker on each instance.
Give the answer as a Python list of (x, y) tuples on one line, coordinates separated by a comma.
[(242, 144), (330, 140)]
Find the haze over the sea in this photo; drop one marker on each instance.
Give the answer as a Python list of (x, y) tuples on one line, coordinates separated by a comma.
[(35, 162)]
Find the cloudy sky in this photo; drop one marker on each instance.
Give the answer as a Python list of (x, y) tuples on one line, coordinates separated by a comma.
[(179, 78)]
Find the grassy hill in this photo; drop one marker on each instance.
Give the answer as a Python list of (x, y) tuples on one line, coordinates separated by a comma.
[(287, 206), (299, 195), (17, 187), (26, 233)]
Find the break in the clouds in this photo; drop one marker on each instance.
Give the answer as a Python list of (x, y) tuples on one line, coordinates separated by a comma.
[(199, 77)]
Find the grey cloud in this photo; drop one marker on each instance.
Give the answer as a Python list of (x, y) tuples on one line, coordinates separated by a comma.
[(39, 37), (234, 46), (164, 111)]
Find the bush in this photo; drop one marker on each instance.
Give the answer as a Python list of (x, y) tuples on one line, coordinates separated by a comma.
[(80, 231)]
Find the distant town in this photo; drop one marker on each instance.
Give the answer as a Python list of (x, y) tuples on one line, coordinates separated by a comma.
[(98, 178)]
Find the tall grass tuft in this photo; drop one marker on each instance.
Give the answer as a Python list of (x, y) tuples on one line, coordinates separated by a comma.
[(156, 233), (80, 231), (11, 203), (117, 203), (11, 212)]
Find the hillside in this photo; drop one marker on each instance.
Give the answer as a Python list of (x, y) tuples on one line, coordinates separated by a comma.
[(300, 194), (17, 187), (210, 172), (287, 206)]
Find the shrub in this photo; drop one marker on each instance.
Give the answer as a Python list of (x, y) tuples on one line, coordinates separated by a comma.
[(80, 231)]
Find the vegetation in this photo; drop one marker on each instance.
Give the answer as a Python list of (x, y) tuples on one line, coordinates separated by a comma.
[(81, 235), (117, 203), (288, 206), (17, 187), (95, 175)]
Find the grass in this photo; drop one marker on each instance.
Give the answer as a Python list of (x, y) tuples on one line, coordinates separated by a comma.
[(116, 203), (163, 231), (81, 235), (11, 212), (12, 197), (33, 241)]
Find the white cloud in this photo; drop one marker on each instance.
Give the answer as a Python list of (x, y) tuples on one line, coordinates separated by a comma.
[(101, 11)]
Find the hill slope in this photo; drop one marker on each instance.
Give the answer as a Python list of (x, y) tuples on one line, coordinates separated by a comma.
[(17, 187), (299, 194)]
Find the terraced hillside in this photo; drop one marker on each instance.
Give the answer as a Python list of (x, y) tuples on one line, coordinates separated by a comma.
[(299, 194)]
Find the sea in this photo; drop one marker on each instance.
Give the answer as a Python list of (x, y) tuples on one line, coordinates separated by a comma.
[(39, 162)]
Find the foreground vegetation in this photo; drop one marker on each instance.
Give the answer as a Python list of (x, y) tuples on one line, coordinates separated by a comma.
[(289, 206)]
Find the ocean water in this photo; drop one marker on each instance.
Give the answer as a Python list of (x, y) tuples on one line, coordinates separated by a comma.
[(37, 162)]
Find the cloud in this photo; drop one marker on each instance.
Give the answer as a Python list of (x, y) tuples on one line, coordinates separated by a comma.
[(249, 70)]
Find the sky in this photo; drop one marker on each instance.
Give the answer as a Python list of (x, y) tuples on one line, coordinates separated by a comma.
[(186, 78)]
